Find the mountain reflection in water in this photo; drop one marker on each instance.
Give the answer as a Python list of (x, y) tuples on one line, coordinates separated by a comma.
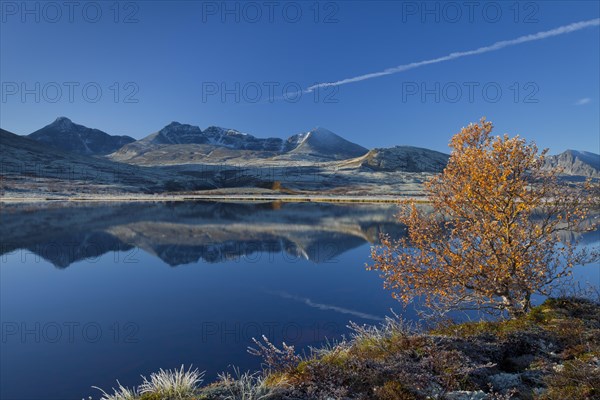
[(186, 232)]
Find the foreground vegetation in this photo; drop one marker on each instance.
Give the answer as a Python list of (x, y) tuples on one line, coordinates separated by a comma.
[(553, 352)]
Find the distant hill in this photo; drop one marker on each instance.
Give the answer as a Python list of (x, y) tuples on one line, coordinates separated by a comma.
[(66, 135), (31, 166), (579, 163), (401, 158)]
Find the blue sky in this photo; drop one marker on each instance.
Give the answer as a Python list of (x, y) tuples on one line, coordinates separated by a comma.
[(173, 60)]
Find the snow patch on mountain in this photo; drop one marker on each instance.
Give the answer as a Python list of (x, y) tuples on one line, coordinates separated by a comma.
[(321, 143)]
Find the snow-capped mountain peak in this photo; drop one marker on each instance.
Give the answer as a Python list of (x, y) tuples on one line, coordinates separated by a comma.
[(322, 143)]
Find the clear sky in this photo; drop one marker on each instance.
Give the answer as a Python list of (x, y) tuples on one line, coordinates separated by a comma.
[(240, 64)]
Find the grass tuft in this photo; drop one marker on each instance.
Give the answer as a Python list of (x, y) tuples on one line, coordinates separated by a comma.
[(120, 393), (247, 386), (173, 384)]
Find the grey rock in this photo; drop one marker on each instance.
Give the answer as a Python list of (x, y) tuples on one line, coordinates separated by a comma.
[(504, 381), (466, 395), (573, 162)]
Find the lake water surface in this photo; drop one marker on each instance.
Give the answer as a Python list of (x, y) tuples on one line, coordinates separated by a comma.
[(98, 292)]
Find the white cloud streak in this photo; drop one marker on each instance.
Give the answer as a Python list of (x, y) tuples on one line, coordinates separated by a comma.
[(329, 307), (583, 101), (460, 54)]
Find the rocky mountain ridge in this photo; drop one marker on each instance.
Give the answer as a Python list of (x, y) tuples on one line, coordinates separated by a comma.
[(183, 159), (576, 163), (66, 135), (184, 144), (318, 144)]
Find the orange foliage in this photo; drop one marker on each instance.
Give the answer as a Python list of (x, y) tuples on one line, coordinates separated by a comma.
[(492, 239)]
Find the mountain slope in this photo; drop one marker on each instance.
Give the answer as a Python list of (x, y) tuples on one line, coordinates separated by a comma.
[(32, 167), (400, 158), (322, 145), (68, 136), (573, 162), (175, 133)]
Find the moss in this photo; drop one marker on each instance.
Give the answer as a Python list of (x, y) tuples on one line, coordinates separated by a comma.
[(302, 366), (557, 316), (334, 361), (369, 348), (394, 390), (151, 396), (382, 348), (336, 358), (298, 375), (275, 379)]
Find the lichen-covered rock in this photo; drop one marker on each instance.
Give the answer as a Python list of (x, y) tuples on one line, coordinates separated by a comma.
[(466, 395), (504, 381)]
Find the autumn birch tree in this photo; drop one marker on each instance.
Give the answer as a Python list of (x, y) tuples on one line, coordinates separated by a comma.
[(493, 239)]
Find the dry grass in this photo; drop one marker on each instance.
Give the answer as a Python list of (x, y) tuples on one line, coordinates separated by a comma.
[(173, 384)]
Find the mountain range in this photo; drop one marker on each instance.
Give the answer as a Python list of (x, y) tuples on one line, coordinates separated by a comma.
[(181, 157), (182, 143)]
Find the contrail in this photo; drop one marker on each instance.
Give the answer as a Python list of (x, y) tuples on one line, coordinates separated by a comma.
[(329, 307), (452, 56)]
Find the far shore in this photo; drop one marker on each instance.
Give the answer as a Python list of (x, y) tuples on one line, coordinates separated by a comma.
[(213, 197)]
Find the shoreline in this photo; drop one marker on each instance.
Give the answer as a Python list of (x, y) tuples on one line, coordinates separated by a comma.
[(214, 197)]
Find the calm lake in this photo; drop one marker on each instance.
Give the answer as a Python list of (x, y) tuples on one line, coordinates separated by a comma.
[(92, 293)]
